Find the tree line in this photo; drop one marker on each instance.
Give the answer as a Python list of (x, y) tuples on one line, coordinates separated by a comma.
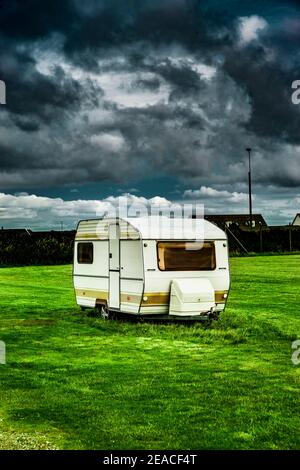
[(23, 248)]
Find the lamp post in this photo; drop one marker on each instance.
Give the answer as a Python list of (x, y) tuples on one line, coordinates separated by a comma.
[(248, 149)]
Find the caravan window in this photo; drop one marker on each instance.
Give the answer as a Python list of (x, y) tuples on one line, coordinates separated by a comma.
[(178, 256), (85, 253)]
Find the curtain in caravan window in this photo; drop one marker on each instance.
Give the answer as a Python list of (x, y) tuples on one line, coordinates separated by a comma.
[(85, 253), (178, 256)]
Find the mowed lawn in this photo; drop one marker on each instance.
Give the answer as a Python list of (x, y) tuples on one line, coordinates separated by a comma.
[(77, 382)]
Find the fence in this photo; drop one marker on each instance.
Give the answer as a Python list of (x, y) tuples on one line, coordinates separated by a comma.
[(264, 239), (19, 248)]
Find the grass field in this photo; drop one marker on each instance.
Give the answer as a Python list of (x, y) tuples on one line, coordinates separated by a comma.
[(77, 382)]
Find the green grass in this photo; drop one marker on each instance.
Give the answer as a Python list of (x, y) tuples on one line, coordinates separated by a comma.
[(77, 382)]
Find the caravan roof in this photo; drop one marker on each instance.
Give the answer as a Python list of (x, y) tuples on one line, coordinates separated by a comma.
[(175, 228), (152, 227)]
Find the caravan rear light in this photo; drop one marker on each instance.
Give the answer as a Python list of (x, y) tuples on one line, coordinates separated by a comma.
[(145, 298)]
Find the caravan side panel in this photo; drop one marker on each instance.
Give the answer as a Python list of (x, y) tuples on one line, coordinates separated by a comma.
[(91, 279)]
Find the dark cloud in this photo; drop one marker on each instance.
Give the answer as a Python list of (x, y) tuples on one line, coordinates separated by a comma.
[(104, 23), (269, 87), (33, 19), (35, 99)]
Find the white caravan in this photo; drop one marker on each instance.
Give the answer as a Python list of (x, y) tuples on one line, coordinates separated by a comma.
[(142, 267)]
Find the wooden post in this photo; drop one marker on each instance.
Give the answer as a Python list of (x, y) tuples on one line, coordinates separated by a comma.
[(260, 238)]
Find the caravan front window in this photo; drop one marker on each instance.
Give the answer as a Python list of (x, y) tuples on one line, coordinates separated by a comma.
[(85, 253), (178, 256)]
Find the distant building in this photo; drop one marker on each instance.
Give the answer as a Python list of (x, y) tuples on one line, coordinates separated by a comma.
[(240, 220), (296, 220)]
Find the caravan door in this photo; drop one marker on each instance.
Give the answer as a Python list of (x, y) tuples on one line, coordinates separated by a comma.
[(114, 267)]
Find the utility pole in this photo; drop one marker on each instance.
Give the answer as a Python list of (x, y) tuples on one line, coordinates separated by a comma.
[(248, 149)]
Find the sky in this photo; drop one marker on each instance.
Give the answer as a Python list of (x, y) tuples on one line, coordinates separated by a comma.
[(152, 101)]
